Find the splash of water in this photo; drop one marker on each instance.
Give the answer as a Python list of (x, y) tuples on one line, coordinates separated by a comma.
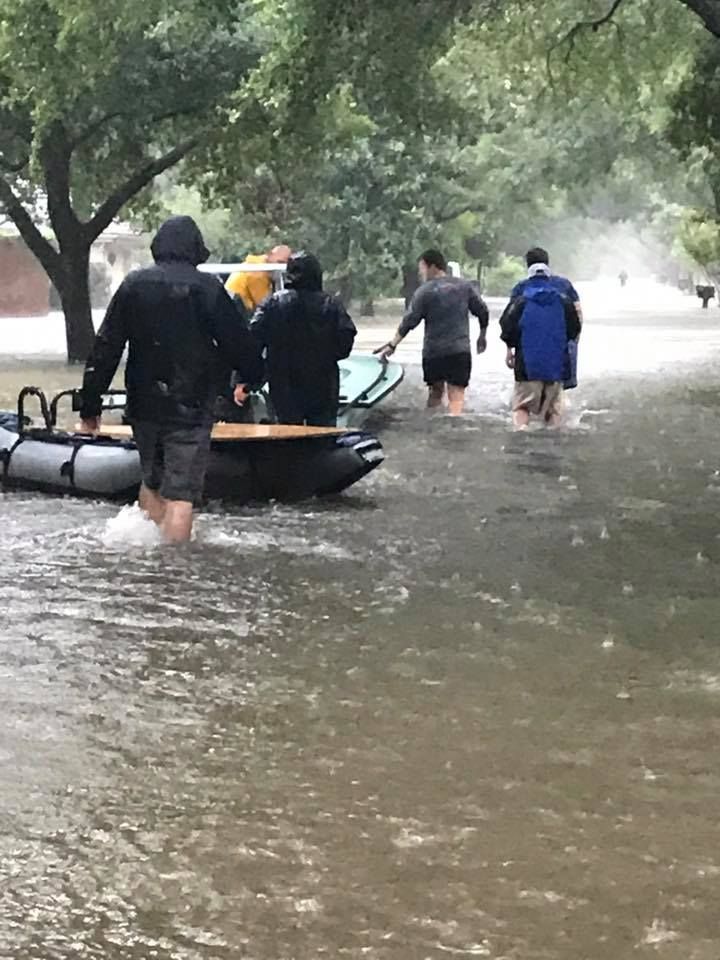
[(131, 528)]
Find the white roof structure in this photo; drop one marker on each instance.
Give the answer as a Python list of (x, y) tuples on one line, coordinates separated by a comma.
[(243, 267)]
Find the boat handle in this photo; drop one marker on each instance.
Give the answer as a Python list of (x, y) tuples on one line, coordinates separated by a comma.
[(32, 392)]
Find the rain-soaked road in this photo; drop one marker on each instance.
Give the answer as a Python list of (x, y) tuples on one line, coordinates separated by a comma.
[(470, 709)]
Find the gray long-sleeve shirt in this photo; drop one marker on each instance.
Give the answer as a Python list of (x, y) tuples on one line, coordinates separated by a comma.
[(445, 304)]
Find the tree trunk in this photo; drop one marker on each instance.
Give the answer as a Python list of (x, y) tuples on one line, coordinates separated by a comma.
[(69, 267), (344, 289), (74, 289), (410, 282), (367, 308)]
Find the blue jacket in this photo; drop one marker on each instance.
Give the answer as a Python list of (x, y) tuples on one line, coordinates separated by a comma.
[(538, 325), (562, 284)]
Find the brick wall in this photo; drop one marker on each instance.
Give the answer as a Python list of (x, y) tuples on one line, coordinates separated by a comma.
[(24, 285)]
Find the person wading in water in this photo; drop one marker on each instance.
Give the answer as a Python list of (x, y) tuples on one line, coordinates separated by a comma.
[(444, 303), (183, 333)]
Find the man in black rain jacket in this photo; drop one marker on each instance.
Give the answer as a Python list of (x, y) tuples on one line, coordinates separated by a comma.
[(304, 333), (184, 336)]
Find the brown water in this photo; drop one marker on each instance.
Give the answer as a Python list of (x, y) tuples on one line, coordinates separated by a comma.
[(469, 709)]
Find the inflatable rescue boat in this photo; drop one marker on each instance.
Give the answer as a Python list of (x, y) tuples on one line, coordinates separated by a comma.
[(249, 461)]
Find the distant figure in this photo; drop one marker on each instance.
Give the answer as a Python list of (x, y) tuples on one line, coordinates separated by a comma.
[(542, 317), (623, 278), (253, 288), (182, 329), (304, 332), (705, 292), (444, 303)]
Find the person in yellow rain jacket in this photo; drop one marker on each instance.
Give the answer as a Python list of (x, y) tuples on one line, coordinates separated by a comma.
[(253, 288)]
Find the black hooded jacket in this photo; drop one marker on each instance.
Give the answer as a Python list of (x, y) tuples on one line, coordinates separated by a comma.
[(183, 331), (304, 333)]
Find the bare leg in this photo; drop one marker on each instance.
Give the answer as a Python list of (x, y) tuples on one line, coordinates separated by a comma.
[(456, 400), (176, 525), (554, 413), (521, 419), (436, 394), (152, 504)]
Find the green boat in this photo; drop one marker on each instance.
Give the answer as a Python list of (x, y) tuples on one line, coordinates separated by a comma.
[(365, 381)]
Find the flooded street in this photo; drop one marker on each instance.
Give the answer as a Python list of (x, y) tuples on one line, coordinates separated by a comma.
[(468, 709)]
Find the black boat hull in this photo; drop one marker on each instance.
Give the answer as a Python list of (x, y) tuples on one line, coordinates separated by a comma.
[(238, 471)]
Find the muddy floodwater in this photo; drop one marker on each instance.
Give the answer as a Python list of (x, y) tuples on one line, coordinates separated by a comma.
[(470, 708)]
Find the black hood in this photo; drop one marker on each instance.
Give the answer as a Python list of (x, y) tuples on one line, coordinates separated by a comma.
[(179, 238), (304, 272)]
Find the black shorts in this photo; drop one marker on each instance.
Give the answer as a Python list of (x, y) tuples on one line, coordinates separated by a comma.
[(173, 458), (454, 369)]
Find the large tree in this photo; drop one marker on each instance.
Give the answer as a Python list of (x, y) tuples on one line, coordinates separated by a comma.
[(95, 102), (489, 143)]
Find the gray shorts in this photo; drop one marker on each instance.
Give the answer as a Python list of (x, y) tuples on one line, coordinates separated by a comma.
[(173, 458)]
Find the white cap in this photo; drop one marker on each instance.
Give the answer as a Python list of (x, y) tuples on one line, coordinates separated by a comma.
[(539, 268)]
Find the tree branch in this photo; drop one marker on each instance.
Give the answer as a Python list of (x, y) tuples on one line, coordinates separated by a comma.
[(98, 124), (18, 131), (13, 168), (22, 130), (708, 11), (595, 25), (42, 248), (55, 156), (445, 216), (107, 212), (177, 112), (92, 129), (571, 36)]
